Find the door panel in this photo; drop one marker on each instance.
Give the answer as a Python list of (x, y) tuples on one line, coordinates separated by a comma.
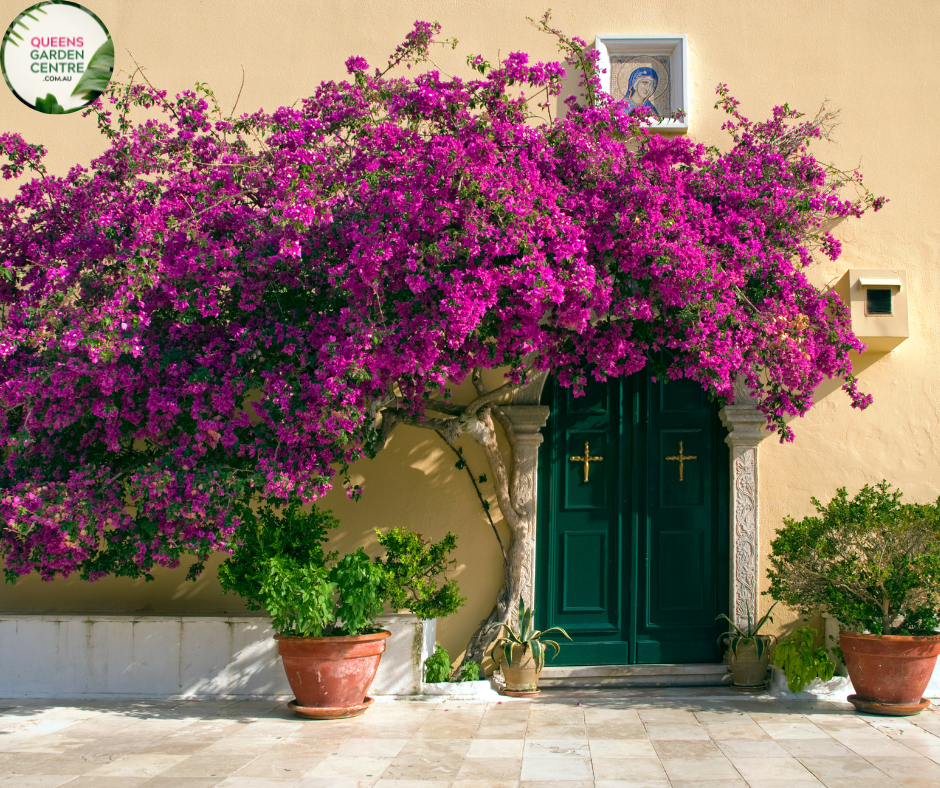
[(633, 561)]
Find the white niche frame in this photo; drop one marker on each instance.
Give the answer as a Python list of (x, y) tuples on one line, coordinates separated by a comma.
[(676, 46)]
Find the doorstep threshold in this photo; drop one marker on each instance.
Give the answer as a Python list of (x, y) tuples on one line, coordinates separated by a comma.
[(665, 675)]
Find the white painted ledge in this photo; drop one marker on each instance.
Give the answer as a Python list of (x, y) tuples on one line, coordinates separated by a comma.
[(75, 656)]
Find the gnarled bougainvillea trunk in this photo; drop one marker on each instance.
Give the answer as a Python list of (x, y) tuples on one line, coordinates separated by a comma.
[(224, 309)]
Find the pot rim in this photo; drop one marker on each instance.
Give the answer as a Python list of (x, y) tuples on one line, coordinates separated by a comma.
[(380, 635), (894, 638)]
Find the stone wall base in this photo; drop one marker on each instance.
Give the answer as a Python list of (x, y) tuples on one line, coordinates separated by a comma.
[(74, 656)]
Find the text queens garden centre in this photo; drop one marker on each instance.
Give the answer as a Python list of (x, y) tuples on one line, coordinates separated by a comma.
[(56, 57)]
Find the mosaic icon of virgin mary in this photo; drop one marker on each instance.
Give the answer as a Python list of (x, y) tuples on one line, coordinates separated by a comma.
[(640, 89)]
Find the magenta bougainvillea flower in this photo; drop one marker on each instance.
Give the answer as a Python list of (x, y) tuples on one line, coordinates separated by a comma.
[(212, 310)]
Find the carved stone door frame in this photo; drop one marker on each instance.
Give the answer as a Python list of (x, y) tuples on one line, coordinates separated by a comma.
[(745, 432)]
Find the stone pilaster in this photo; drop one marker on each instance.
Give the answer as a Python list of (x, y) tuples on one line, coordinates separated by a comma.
[(746, 430), (527, 422)]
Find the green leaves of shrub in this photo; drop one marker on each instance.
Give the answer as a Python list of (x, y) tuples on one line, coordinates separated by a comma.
[(470, 671), (802, 663), (279, 565), (412, 566), (437, 666), (871, 561)]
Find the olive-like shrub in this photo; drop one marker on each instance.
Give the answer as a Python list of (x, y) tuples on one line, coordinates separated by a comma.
[(871, 561)]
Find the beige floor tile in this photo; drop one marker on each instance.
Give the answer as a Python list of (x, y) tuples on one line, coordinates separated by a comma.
[(622, 716), (548, 749), (338, 766), (907, 768), (258, 782), (882, 748), (162, 781), (787, 768), (88, 781), (781, 716), (374, 748), (616, 730), (484, 784), (560, 768), (721, 717), (490, 769), (735, 730), (657, 731), (762, 748), (671, 716), (793, 730), (137, 765), (279, 766), (34, 780), (815, 748), (385, 783), (446, 731), (711, 769), (847, 767), (686, 750), (422, 767), (621, 748), (334, 782), (452, 749), (516, 731), (495, 748), (708, 784), (805, 782), (558, 733), (634, 784), (628, 769), (218, 766), (869, 782), (556, 783), (264, 728), (244, 746)]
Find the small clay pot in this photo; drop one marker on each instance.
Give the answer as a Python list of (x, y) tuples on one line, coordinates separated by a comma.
[(331, 674), (890, 669), (522, 674), (747, 669)]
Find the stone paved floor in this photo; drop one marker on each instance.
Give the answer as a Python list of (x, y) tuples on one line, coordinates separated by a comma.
[(609, 739)]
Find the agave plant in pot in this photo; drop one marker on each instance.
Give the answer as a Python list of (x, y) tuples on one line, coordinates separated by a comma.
[(523, 653), (748, 652), (873, 563), (323, 607)]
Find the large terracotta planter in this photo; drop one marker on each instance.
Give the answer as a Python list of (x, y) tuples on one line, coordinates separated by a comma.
[(889, 672), (330, 676), (521, 675)]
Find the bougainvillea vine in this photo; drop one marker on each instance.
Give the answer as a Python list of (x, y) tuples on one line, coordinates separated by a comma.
[(220, 308)]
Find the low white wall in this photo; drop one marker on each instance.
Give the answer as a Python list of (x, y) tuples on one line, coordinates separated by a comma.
[(68, 656)]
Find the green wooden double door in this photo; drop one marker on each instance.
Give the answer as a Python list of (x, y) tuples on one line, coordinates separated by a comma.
[(633, 524)]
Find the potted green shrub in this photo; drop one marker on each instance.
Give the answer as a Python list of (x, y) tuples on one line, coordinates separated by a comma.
[(322, 607), (523, 653), (748, 652), (873, 563)]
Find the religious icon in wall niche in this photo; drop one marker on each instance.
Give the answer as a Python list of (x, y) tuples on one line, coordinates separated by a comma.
[(642, 81)]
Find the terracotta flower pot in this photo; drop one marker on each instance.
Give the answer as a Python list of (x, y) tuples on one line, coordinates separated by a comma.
[(889, 671), (747, 669), (521, 675), (330, 676)]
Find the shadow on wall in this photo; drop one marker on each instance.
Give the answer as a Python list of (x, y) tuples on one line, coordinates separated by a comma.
[(412, 482)]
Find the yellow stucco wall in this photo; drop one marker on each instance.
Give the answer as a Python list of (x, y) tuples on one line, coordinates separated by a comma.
[(879, 64)]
